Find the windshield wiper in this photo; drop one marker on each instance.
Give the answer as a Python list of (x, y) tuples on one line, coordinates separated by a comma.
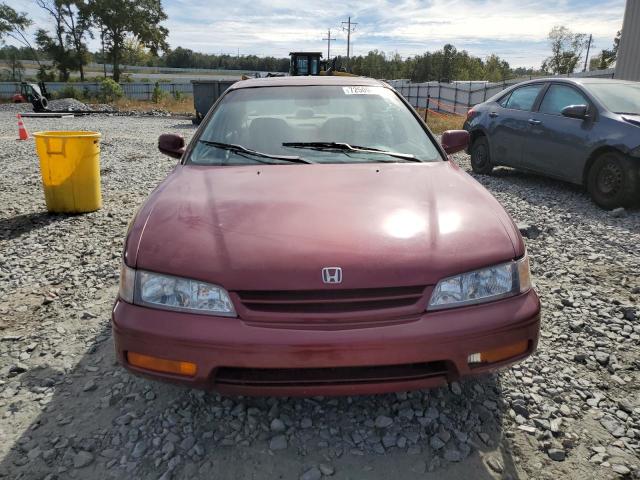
[(345, 147), (232, 147), (628, 113)]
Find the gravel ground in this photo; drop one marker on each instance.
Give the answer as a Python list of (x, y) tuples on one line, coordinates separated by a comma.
[(67, 410), (73, 105)]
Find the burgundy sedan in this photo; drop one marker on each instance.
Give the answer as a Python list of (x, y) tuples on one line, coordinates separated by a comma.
[(315, 239)]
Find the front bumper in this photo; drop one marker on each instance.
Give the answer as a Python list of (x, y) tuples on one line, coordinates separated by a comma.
[(229, 353)]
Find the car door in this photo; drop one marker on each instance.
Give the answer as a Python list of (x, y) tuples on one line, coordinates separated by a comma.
[(559, 145), (509, 124)]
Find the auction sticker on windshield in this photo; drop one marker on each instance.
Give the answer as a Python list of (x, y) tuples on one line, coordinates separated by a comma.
[(359, 91)]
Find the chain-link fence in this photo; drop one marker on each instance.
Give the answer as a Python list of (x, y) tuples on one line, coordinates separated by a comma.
[(457, 97)]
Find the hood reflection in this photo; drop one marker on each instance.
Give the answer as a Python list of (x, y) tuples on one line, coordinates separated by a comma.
[(404, 224), (448, 222)]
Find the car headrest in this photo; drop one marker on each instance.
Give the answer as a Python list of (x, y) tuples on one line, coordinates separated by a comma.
[(266, 134)]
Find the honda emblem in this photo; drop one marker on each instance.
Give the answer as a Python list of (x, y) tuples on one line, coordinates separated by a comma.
[(332, 275)]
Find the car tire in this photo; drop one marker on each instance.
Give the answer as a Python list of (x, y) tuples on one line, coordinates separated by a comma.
[(612, 181), (480, 157)]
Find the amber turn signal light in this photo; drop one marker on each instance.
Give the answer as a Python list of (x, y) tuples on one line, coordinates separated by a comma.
[(162, 365), (499, 354)]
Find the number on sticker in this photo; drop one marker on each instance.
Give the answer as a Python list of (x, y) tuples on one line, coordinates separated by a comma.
[(358, 91)]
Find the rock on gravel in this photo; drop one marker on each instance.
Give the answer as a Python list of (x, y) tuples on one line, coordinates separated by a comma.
[(313, 473), (556, 454), (277, 425), (279, 442), (82, 459), (383, 421), (495, 464), (326, 470)]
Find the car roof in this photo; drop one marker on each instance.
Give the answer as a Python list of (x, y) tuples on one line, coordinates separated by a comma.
[(577, 80), (599, 80), (583, 82), (295, 81)]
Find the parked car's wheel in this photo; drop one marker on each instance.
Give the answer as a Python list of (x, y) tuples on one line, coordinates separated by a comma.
[(611, 181), (480, 158)]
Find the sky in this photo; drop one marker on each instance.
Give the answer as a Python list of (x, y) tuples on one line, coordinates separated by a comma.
[(516, 30)]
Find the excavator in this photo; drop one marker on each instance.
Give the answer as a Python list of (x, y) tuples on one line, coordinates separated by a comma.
[(310, 63), (36, 94)]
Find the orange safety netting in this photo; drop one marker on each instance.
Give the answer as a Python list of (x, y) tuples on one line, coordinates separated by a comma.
[(442, 106)]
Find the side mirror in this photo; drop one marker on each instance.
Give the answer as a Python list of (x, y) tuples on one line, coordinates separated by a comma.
[(576, 111), (454, 140), (171, 144)]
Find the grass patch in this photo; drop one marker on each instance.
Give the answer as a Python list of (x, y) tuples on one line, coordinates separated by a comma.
[(168, 103), (439, 122)]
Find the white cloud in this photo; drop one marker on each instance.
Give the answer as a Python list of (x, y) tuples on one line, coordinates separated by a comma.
[(514, 29)]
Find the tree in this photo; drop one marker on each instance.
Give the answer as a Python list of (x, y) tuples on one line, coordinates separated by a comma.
[(134, 53), (607, 57), (180, 58), (15, 70), (444, 60), (566, 50), (14, 24), (122, 19), (526, 72), (446, 64), (78, 23), (495, 69), (468, 67), (55, 47)]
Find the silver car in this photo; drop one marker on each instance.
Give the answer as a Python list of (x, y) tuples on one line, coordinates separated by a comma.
[(582, 130)]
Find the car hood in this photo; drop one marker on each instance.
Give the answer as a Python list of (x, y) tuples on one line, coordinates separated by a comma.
[(275, 227)]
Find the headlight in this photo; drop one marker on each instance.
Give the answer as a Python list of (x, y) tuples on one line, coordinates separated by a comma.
[(167, 292), (127, 282), (485, 285)]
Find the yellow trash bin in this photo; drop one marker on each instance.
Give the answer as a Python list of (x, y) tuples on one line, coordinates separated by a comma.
[(70, 168)]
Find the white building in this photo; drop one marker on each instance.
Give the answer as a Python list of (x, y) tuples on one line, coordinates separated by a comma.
[(628, 61)]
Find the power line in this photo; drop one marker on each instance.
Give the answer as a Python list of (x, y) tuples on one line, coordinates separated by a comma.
[(329, 39), (350, 28)]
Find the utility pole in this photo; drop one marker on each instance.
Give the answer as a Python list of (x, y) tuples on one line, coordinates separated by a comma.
[(349, 28), (329, 39), (586, 59), (104, 58)]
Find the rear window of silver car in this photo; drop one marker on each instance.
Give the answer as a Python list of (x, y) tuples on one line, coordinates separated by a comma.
[(618, 97), (264, 118), (522, 98), (559, 97)]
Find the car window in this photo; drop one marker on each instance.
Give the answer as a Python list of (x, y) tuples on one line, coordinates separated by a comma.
[(523, 98), (264, 118), (559, 97), (618, 97), (503, 101)]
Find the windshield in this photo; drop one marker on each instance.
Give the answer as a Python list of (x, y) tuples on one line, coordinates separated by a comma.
[(262, 119), (618, 97)]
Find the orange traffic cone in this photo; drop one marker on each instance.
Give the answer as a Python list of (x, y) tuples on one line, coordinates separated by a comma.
[(22, 131)]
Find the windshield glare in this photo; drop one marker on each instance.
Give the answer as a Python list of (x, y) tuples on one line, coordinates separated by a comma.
[(618, 98), (264, 118)]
